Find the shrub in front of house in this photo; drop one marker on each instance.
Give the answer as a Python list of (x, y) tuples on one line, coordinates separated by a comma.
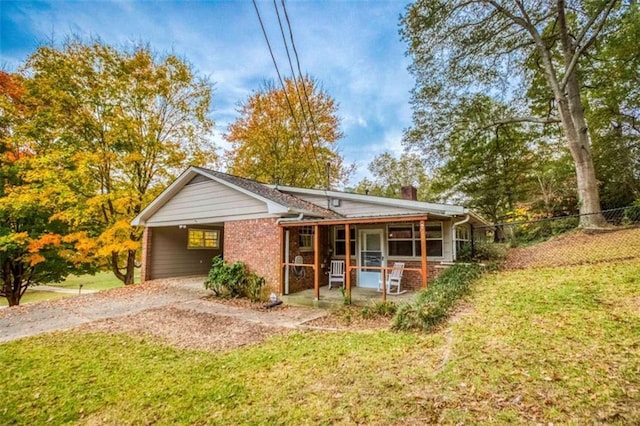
[(233, 280), (434, 304)]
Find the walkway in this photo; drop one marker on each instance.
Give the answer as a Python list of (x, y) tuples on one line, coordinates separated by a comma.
[(63, 314)]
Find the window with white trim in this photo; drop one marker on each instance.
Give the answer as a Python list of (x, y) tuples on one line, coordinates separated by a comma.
[(340, 241), (203, 239), (463, 238), (435, 239), (305, 238), (403, 240), (400, 240)]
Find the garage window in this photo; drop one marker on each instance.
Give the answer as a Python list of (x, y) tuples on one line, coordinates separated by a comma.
[(203, 239)]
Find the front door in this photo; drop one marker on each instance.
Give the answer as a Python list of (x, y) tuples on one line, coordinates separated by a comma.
[(370, 254)]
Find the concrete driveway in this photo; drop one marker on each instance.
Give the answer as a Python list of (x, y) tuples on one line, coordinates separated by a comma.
[(186, 293)]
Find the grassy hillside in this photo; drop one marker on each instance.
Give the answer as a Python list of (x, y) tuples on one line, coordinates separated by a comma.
[(557, 345)]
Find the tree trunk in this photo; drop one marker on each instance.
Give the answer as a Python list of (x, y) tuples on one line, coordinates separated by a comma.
[(11, 285), (128, 276), (571, 111)]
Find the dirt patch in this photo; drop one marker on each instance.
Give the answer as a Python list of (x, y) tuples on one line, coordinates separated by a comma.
[(350, 318), (576, 248), (186, 328)]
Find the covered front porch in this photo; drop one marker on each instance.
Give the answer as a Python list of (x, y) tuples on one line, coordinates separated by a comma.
[(334, 298), (369, 260)]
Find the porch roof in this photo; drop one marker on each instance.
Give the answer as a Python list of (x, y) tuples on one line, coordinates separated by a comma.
[(363, 220)]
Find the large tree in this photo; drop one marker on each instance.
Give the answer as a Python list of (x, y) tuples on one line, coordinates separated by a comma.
[(288, 136), (489, 169), (35, 247), (128, 121), (463, 47)]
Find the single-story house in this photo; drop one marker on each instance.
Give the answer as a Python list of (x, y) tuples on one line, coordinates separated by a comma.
[(289, 235)]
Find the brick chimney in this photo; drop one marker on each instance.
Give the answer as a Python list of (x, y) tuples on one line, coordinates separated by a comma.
[(409, 193)]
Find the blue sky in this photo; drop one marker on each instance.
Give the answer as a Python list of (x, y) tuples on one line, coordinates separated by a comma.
[(352, 47)]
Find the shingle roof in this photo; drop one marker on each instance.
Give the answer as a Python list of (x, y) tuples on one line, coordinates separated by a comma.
[(272, 194)]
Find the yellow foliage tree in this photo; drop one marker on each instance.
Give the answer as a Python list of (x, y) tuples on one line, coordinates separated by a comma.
[(288, 136), (113, 127)]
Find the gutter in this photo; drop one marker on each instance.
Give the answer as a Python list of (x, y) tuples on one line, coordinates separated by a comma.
[(453, 235), (289, 219)]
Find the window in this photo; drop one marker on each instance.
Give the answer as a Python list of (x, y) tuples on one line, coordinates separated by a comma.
[(401, 240), (434, 238), (404, 240), (463, 240), (305, 238), (339, 248), (203, 239)]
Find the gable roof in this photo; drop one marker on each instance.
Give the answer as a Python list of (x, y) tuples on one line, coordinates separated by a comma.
[(271, 193), (285, 201), (277, 203)]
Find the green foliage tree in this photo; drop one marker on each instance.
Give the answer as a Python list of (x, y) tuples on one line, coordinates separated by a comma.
[(288, 136), (123, 122), (460, 48), (390, 174), (488, 168), (612, 85)]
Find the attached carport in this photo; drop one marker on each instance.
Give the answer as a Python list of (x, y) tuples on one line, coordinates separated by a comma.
[(174, 256)]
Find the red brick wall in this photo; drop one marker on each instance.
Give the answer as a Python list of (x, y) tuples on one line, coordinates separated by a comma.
[(255, 242), (146, 249), (301, 282), (412, 280)]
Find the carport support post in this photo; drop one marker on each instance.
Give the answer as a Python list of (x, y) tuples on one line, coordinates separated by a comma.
[(282, 259), (347, 260), (423, 252), (316, 262)]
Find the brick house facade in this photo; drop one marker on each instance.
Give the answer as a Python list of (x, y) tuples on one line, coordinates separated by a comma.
[(249, 221)]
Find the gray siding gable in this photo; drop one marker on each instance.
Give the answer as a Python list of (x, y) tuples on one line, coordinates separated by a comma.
[(207, 202)]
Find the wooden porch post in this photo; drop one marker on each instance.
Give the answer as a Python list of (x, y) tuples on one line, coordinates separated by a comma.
[(347, 260), (423, 252), (316, 262)]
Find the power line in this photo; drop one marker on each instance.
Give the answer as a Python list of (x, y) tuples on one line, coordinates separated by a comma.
[(300, 79), (304, 88), (293, 116)]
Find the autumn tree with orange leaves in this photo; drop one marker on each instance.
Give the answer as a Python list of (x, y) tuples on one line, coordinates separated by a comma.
[(116, 126), (35, 247), (288, 136)]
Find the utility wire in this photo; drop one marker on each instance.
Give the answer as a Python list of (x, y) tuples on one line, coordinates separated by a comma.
[(304, 88), (300, 79), (293, 116)]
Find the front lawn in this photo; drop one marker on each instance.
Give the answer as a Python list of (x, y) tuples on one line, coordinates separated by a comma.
[(555, 345)]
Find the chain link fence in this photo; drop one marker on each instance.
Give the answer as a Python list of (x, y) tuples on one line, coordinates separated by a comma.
[(560, 241)]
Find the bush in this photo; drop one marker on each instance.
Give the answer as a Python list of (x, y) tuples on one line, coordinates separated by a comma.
[(233, 280), (379, 309), (433, 304)]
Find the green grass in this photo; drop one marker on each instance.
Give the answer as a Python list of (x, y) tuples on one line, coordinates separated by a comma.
[(32, 296), (100, 281), (557, 345)]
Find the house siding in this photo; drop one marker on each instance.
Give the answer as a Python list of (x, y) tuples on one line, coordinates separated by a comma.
[(350, 208), (207, 202), (256, 242), (166, 254)]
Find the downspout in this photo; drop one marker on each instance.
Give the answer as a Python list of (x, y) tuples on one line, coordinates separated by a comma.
[(453, 236), (286, 249)]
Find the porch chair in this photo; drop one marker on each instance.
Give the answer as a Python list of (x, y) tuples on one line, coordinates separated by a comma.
[(394, 280), (336, 273)]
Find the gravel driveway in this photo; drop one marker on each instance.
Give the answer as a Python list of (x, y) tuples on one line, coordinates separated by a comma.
[(176, 310)]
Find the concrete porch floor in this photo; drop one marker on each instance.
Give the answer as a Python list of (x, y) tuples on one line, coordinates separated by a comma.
[(333, 298)]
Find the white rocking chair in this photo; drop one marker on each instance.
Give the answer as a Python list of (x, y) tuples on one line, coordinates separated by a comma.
[(337, 273), (394, 280)]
